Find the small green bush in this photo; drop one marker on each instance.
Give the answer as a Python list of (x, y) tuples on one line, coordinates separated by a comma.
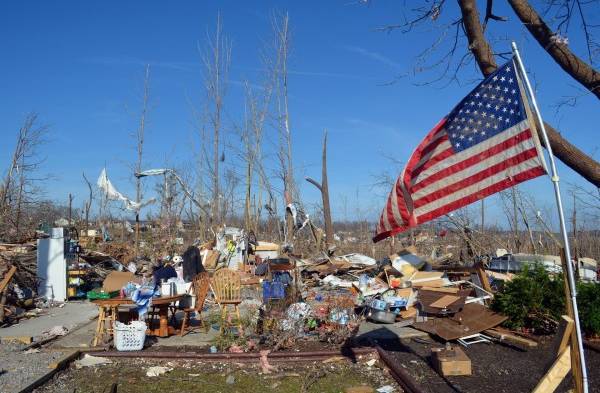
[(588, 303), (533, 297)]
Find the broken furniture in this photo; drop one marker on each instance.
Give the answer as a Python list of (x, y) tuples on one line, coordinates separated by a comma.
[(200, 285), (227, 287), (474, 339), (108, 314)]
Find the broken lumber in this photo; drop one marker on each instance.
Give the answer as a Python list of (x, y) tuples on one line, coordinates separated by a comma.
[(3, 289), (511, 338)]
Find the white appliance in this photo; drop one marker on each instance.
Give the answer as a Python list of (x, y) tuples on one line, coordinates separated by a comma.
[(52, 266)]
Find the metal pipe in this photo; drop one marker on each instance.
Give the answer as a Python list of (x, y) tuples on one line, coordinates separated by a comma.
[(561, 216)]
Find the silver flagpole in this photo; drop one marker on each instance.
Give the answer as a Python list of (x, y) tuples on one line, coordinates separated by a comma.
[(561, 216)]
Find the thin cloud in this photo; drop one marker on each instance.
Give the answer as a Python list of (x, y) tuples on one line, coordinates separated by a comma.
[(371, 126), (327, 74), (373, 55), (318, 74), (244, 83), (133, 61)]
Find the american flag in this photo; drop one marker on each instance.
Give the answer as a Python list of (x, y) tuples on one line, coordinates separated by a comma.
[(486, 144)]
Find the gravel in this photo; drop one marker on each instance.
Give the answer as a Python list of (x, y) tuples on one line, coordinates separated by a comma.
[(19, 369)]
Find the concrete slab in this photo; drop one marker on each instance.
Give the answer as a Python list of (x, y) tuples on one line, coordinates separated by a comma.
[(378, 331), (71, 315)]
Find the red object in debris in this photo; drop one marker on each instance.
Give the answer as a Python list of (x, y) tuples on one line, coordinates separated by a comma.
[(443, 232)]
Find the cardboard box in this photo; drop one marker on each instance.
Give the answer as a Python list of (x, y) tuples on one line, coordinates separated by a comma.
[(117, 280), (451, 362)]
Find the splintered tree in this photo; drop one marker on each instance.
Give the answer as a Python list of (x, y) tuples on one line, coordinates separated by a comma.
[(20, 189), (216, 60), (87, 206), (323, 187)]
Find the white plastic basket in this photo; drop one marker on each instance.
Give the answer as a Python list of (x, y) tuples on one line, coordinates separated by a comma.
[(130, 337)]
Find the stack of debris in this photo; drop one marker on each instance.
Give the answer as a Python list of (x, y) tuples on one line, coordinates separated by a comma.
[(404, 289), (18, 280)]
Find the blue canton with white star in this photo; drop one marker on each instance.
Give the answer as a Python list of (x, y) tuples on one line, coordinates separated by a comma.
[(491, 108)]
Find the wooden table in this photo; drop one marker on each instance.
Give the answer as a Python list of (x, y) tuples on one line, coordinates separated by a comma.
[(108, 312)]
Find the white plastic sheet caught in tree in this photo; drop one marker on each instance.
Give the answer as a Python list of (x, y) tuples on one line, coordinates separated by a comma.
[(111, 193)]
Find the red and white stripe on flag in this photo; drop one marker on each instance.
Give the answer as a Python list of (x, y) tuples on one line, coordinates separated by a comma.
[(486, 144)]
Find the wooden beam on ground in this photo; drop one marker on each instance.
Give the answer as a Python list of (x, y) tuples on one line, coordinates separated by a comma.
[(511, 338)]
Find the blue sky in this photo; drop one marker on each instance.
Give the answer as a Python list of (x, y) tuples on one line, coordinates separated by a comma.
[(80, 66)]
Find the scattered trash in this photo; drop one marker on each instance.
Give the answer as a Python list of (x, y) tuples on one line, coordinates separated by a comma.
[(156, 371), (91, 361), (264, 363), (371, 362), (56, 331)]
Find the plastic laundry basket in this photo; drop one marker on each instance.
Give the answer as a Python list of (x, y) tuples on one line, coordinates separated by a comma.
[(130, 337)]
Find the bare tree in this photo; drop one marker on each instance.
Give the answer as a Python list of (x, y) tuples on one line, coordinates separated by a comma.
[(284, 155), (20, 186), (574, 158), (257, 107), (481, 51), (140, 154), (216, 59)]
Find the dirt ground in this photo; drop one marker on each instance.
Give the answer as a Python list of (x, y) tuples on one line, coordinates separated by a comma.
[(496, 367)]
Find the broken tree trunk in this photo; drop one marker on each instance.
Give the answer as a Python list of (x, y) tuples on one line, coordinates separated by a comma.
[(581, 71), (570, 155), (324, 189)]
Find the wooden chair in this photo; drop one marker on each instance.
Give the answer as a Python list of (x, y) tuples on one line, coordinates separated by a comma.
[(200, 286), (227, 287)]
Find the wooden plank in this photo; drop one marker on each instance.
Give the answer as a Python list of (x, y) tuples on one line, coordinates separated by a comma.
[(566, 328), (554, 376), (442, 290), (430, 283), (7, 277), (483, 278), (511, 338), (445, 301), (21, 339), (575, 358), (421, 276)]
